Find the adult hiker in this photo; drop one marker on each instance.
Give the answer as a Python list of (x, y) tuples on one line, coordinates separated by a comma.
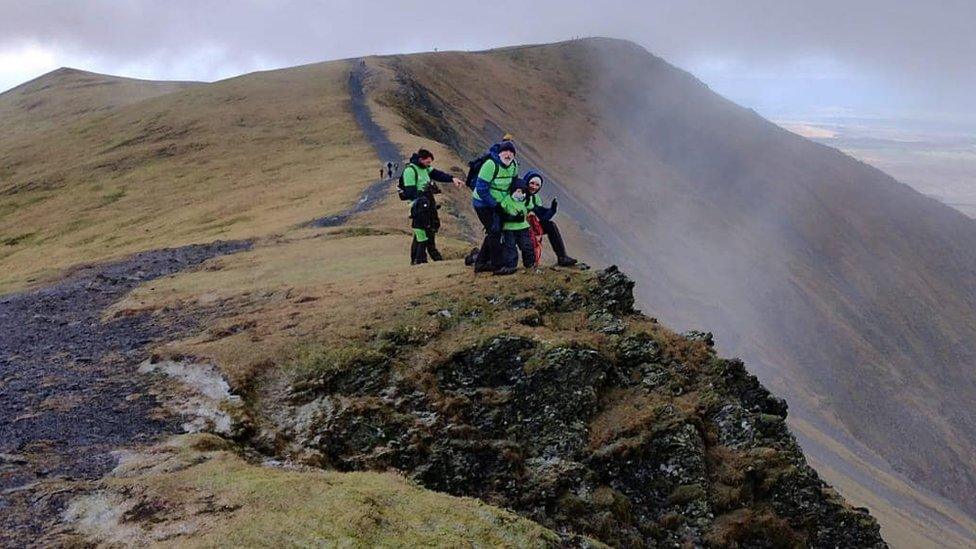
[(495, 177), (381, 172), (534, 181), (389, 170), (515, 231), (418, 184)]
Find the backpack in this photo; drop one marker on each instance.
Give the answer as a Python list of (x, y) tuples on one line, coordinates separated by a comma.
[(423, 213), (474, 167), (403, 192), (536, 232)]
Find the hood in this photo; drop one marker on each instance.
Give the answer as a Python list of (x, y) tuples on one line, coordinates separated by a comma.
[(525, 179)]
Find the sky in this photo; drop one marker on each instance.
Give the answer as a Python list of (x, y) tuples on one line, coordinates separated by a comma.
[(785, 58)]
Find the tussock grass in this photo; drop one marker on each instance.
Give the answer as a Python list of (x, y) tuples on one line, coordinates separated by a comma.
[(195, 486)]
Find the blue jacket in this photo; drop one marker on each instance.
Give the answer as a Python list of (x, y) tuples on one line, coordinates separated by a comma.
[(481, 197)]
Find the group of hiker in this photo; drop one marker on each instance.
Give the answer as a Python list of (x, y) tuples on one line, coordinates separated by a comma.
[(508, 206), (390, 169)]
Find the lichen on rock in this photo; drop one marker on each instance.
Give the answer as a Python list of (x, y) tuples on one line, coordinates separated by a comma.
[(633, 436)]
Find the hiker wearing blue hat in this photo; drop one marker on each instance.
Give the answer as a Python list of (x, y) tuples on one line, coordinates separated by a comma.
[(496, 174)]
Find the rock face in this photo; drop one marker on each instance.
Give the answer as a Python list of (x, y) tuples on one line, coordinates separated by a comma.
[(638, 437)]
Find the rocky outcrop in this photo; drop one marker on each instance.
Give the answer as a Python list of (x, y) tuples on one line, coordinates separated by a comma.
[(639, 437)]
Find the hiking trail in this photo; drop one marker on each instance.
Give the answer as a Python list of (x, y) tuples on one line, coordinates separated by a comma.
[(385, 149), (70, 394)]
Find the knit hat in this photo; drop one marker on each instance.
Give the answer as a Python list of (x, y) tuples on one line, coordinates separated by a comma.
[(520, 185), (506, 146)]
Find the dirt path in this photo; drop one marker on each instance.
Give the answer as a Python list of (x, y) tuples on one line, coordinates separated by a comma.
[(69, 390), (385, 149)]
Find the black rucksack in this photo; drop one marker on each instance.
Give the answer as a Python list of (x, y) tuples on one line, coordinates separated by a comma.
[(474, 167), (403, 192)]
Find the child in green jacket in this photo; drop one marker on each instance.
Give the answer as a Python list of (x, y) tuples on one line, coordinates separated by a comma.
[(515, 231)]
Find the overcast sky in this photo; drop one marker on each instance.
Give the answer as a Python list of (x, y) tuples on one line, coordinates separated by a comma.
[(782, 57)]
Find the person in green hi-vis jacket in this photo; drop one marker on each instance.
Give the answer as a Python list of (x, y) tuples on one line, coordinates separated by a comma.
[(493, 183), (419, 185), (515, 231)]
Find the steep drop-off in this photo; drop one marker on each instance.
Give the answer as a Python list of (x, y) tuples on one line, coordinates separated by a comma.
[(852, 294), (551, 396)]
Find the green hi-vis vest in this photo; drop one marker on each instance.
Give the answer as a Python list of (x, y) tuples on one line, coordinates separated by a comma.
[(514, 207), (414, 175), (499, 177), (533, 201)]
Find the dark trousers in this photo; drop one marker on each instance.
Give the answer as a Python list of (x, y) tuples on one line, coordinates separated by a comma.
[(555, 239), (490, 252), (420, 250), (513, 243), (424, 218)]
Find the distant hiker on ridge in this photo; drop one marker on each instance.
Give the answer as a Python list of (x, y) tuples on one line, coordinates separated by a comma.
[(389, 170), (417, 184), (381, 172), (544, 216), (496, 173)]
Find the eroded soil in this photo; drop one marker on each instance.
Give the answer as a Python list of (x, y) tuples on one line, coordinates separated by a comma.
[(70, 392)]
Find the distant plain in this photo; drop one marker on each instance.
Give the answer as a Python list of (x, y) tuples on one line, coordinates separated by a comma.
[(937, 160)]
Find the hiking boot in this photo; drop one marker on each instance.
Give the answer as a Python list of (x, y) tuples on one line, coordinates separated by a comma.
[(471, 258), (435, 254), (566, 261), (505, 271), (484, 268)]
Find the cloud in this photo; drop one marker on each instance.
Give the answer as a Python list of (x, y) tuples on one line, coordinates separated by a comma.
[(925, 50)]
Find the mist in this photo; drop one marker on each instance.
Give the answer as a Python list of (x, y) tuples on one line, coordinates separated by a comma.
[(778, 57), (842, 288)]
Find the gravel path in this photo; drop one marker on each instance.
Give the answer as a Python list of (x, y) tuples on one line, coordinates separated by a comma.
[(385, 149), (69, 391)]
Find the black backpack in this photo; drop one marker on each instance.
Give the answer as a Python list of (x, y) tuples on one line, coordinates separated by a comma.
[(403, 192), (474, 167)]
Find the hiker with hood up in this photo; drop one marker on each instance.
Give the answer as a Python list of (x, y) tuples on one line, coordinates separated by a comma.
[(516, 235), (533, 181), (418, 183), (493, 185)]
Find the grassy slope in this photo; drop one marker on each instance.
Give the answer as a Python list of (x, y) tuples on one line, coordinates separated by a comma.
[(239, 158), (65, 95), (194, 492), (250, 157), (580, 112)]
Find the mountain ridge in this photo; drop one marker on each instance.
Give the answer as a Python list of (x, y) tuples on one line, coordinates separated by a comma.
[(241, 98), (691, 139)]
